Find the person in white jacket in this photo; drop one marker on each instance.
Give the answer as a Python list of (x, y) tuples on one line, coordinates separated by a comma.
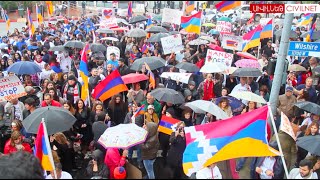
[(305, 171), (210, 172)]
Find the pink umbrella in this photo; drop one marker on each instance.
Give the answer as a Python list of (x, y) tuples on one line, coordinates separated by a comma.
[(248, 63), (134, 78), (246, 55), (215, 47)]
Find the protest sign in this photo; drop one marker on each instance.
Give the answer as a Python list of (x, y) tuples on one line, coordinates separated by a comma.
[(171, 16), (171, 44), (218, 56), (107, 13), (182, 77), (10, 88), (231, 42), (286, 126), (224, 27), (113, 49)]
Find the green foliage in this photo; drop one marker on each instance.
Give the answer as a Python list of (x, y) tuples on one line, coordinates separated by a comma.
[(9, 5)]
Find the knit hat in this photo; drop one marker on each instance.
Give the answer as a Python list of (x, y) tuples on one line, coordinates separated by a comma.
[(119, 173), (187, 93), (171, 111), (72, 77), (192, 83)]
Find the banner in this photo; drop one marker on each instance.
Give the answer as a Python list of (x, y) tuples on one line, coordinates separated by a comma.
[(286, 126), (171, 16), (113, 49), (231, 42), (172, 44), (10, 88), (182, 77), (224, 27), (218, 56)]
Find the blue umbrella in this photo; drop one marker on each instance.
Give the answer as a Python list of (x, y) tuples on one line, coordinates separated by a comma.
[(235, 104), (214, 32), (24, 67)]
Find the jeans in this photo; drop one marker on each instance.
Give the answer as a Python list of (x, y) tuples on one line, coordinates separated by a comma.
[(138, 153), (148, 165)]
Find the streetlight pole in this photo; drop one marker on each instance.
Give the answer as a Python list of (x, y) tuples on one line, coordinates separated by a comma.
[(69, 9)]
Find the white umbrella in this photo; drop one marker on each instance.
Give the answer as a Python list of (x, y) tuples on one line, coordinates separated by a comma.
[(248, 96), (198, 42), (202, 106), (207, 38), (213, 68), (110, 38)]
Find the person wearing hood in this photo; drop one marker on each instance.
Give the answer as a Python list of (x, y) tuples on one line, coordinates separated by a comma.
[(192, 88), (96, 167), (149, 148)]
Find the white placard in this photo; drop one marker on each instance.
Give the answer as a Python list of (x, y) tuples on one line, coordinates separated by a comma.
[(182, 77), (172, 44), (218, 56), (286, 126), (224, 27), (113, 49), (171, 16), (10, 88), (231, 42)]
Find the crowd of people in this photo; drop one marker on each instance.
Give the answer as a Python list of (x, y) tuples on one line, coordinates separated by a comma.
[(63, 89)]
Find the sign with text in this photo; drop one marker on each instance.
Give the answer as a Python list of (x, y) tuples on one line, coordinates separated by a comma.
[(218, 56), (172, 16), (113, 49), (172, 44), (224, 27), (10, 88), (286, 126), (298, 48), (181, 77), (231, 42)]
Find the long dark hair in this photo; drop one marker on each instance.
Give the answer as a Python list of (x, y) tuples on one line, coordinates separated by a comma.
[(112, 103)]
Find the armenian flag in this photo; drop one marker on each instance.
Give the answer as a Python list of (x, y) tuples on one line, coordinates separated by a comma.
[(267, 31), (244, 135), (227, 5), (144, 49), (84, 73), (192, 23), (111, 85), (189, 6), (166, 123), (6, 18), (130, 9), (254, 40), (231, 43), (50, 7), (30, 24), (42, 148), (312, 28), (152, 80), (139, 111), (55, 67), (39, 16)]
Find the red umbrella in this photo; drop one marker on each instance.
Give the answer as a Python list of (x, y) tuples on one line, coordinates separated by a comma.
[(246, 55), (134, 78), (215, 47)]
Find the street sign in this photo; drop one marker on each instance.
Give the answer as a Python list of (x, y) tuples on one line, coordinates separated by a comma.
[(297, 48)]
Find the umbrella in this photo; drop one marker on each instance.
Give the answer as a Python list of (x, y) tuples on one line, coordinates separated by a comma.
[(315, 35), (57, 119), (74, 44), (230, 70), (207, 38), (157, 29), (310, 143), (246, 55), (202, 106), (134, 78), (309, 106), (198, 42), (247, 72), (249, 63), (173, 32), (110, 38), (105, 31), (187, 66), (120, 20), (215, 47), (152, 61), (167, 95), (296, 67), (97, 47), (99, 55), (214, 32), (248, 96), (293, 34), (123, 136), (213, 67), (157, 17), (235, 104), (157, 37), (137, 33), (223, 18), (57, 48), (208, 25), (136, 19), (24, 67)]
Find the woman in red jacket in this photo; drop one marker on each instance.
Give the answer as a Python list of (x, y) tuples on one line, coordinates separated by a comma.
[(15, 143), (113, 159)]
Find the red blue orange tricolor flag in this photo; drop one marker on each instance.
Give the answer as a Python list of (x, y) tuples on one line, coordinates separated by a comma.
[(84, 72), (130, 9), (267, 31), (189, 6), (152, 80), (227, 5), (166, 123)]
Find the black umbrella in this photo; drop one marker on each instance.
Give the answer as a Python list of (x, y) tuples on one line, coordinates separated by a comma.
[(310, 143), (173, 32), (58, 48), (74, 44), (293, 34), (247, 72), (105, 30), (57, 119), (99, 56), (153, 62), (167, 95), (157, 29), (98, 47), (187, 66), (136, 19), (137, 33), (309, 106), (157, 37)]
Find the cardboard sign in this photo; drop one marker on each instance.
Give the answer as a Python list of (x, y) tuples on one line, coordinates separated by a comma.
[(224, 27), (182, 77), (172, 16), (172, 44), (231, 42), (113, 49), (218, 56), (10, 88), (286, 126)]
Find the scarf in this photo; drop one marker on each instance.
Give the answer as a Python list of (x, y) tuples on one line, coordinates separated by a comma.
[(76, 95), (208, 93)]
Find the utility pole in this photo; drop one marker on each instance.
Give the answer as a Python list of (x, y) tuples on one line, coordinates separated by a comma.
[(69, 9), (283, 51)]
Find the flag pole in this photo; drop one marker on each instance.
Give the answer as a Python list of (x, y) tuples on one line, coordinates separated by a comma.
[(50, 151), (278, 141)]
